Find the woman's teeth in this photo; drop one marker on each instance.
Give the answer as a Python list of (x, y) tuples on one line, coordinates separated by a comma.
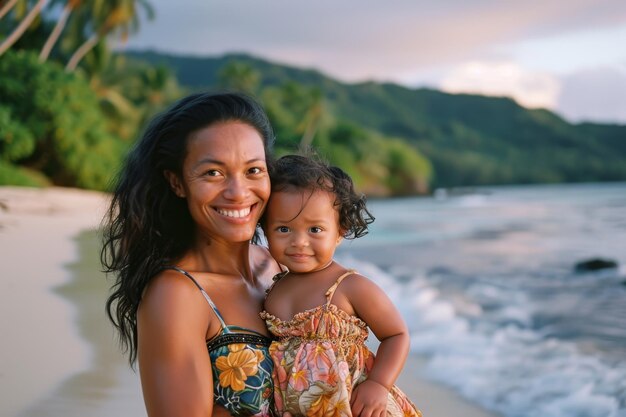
[(234, 213)]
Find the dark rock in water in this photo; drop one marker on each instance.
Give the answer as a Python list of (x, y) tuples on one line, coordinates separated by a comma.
[(440, 270), (595, 264)]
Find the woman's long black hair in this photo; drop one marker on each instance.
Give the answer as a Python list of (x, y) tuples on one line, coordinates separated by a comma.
[(147, 226)]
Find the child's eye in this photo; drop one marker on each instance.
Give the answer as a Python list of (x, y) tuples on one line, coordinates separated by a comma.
[(282, 229), (316, 229)]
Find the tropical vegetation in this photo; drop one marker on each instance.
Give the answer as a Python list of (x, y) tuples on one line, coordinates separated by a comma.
[(71, 107), (467, 140)]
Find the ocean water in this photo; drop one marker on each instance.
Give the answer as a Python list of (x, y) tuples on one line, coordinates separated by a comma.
[(486, 282)]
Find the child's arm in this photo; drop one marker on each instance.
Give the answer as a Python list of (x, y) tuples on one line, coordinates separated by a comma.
[(373, 306)]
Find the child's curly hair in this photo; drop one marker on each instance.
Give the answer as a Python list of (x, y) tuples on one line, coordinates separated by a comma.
[(311, 173)]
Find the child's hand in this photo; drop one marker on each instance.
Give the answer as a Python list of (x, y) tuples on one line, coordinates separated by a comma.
[(369, 399)]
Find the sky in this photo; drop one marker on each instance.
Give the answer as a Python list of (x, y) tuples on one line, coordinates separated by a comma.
[(565, 55)]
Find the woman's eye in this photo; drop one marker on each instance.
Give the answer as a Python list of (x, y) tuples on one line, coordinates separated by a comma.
[(316, 229), (282, 229), (255, 170), (212, 173)]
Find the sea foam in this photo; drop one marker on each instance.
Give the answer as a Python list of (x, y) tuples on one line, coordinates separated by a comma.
[(490, 353)]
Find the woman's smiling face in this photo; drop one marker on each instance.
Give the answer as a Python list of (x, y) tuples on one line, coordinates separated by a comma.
[(224, 180)]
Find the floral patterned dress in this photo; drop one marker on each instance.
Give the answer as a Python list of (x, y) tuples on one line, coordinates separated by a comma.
[(241, 366), (319, 357)]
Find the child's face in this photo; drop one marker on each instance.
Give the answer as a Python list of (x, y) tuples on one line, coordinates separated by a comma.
[(302, 229)]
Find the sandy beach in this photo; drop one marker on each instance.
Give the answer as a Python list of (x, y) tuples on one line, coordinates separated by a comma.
[(59, 355), (43, 348)]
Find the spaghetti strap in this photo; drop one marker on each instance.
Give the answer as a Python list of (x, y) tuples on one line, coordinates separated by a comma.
[(280, 267), (275, 279), (204, 293), (331, 290)]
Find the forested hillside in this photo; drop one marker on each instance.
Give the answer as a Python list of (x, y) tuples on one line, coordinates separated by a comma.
[(469, 139), (70, 108)]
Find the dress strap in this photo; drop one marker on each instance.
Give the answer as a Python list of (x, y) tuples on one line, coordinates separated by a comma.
[(280, 267), (204, 293), (275, 279), (331, 290)]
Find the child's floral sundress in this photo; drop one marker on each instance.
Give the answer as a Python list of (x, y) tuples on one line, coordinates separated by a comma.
[(319, 357)]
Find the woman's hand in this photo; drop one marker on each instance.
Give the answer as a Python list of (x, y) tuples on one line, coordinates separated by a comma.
[(219, 411), (369, 399)]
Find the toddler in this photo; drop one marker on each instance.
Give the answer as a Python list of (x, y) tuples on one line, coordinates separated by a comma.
[(320, 311)]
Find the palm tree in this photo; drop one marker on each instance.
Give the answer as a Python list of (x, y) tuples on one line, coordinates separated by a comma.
[(239, 76), (108, 17), (8, 6), (70, 6), (21, 28), (313, 117), (307, 106)]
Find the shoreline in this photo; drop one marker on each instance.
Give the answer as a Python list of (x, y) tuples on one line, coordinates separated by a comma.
[(433, 399), (107, 386), (59, 354), (42, 346)]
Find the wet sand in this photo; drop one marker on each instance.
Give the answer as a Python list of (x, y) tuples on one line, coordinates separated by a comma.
[(54, 331), (59, 355)]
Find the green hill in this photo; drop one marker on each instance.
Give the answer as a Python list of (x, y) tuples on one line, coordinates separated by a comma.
[(469, 139)]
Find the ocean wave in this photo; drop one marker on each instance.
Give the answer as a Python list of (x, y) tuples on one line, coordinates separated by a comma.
[(490, 352)]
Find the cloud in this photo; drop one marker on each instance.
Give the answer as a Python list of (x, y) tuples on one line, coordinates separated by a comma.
[(594, 95), (367, 39), (519, 49), (530, 89), (572, 51)]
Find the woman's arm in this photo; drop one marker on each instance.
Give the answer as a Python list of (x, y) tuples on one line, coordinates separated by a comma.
[(372, 305), (174, 364)]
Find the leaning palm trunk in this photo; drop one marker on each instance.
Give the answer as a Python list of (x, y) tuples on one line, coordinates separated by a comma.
[(56, 32), (5, 9), (21, 28), (309, 135), (313, 118), (80, 53), (119, 16)]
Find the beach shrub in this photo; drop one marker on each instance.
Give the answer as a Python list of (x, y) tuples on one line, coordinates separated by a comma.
[(14, 175), (16, 140), (52, 123), (409, 171), (379, 165)]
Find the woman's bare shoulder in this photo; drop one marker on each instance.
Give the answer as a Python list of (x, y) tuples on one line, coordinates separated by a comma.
[(171, 292), (171, 280)]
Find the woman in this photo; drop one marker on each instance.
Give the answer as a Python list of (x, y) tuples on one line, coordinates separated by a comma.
[(178, 237)]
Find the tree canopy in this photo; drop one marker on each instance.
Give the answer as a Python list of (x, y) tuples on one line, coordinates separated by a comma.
[(71, 107), (53, 124)]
